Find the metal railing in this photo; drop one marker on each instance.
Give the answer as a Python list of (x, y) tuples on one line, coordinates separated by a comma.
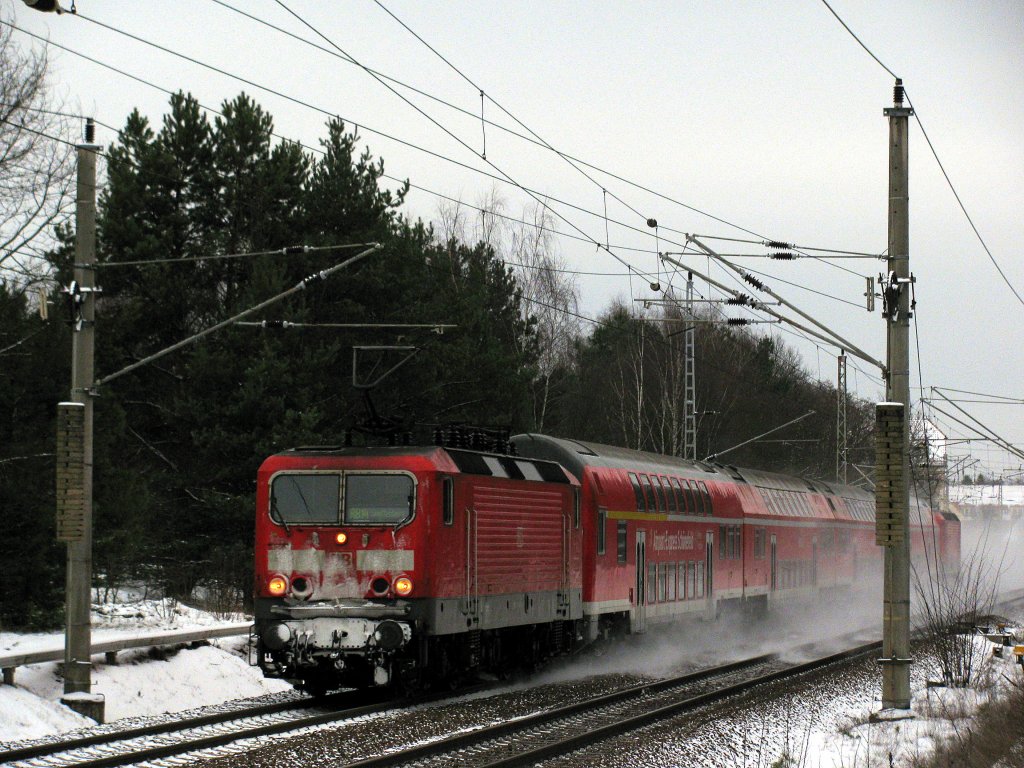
[(9, 662)]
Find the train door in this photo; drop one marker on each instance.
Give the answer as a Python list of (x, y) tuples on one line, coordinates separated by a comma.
[(774, 566), (709, 571), (814, 562), (471, 601), (640, 608)]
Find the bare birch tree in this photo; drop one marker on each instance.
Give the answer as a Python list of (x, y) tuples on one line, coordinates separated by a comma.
[(36, 168), (549, 289)]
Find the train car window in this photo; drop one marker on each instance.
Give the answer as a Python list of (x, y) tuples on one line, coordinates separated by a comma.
[(378, 499), (692, 584), (312, 499), (652, 500), (677, 491), (705, 498), (760, 534), (447, 501), (670, 495), (723, 542), (652, 582), (622, 535), (662, 583), (641, 502), (691, 499), (496, 467), (576, 508), (681, 578), (670, 578), (659, 489), (602, 523)]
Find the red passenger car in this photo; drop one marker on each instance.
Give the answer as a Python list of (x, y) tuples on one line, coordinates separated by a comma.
[(381, 564), (666, 538)]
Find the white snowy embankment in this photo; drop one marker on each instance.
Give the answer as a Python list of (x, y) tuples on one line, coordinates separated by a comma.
[(937, 714), (142, 683)]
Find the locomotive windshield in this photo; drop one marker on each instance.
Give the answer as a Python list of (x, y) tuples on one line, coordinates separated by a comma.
[(305, 499), (378, 499)]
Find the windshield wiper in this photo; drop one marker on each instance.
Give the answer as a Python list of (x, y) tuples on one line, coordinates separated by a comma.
[(275, 511)]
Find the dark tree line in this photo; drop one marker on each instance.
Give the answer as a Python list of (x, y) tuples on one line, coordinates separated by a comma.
[(178, 441)]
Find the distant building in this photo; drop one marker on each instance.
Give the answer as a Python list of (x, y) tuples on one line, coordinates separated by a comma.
[(988, 502)]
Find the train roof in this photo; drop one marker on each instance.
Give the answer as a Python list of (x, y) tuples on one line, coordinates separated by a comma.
[(467, 461), (575, 455)]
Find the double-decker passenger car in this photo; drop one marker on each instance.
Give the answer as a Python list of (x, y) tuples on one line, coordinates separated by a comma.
[(379, 564), (666, 538)]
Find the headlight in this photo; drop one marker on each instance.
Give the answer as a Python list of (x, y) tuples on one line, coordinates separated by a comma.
[(341, 537), (277, 586), (403, 585)]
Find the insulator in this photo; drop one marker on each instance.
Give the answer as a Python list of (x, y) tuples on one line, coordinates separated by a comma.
[(778, 244), (783, 255), (295, 249), (897, 93), (90, 131), (748, 278), (652, 223), (740, 300), (737, 321)]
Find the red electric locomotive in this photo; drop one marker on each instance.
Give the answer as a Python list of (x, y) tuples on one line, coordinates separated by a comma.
[(378, 565)]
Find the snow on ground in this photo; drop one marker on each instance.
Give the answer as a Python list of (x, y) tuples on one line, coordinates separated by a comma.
[(937, 713), (142, 683)]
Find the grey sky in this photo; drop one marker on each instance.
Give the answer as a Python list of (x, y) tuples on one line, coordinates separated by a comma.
[(767, 115)]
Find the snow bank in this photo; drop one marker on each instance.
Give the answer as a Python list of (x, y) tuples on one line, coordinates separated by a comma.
[(143, 683)]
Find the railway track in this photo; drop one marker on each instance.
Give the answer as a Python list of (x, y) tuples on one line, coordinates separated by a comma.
[(184, 735), (528, 740)]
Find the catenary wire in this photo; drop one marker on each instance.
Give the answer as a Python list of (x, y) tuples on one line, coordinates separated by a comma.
[(559, 153), (531, 192), (935, 154), (353, 122)]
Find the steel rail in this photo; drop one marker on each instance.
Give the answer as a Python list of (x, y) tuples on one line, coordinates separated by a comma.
[(588, 736), (44, 749), (461, 741), (189, 745)]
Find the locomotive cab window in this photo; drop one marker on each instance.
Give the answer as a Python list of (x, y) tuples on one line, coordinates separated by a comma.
[(602, 523), (378, 499), (312, 499)]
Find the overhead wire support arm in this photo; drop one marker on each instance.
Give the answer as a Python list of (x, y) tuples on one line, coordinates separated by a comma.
[(980, 428), (438, 328), (834, 338), (300, 286), (713, 456), (830, 340)]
